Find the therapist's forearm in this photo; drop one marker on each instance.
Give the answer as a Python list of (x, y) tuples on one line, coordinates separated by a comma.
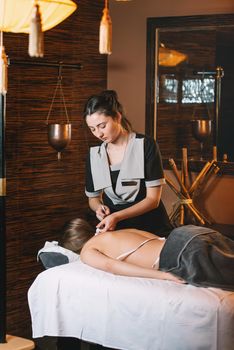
[(94, 203)]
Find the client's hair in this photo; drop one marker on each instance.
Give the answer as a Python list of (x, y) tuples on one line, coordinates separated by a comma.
[(75, 234)]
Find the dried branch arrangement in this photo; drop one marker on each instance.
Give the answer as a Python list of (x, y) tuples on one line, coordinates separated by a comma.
[(185, 207)]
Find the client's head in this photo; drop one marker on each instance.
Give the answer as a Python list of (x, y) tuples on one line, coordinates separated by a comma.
[(75, 234)]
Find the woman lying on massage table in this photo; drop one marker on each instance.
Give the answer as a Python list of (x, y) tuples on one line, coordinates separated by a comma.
[(197, 255)]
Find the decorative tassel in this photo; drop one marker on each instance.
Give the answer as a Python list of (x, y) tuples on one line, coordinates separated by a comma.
[(3, 70), (105, 33), (36, 44)]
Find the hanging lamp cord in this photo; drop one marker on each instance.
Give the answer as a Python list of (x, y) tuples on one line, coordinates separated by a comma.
[(58, 85)]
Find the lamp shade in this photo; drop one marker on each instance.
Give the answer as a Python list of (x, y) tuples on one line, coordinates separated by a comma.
[(15, 15), (170, 58)]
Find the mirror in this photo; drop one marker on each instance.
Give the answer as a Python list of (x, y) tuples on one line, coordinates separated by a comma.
[(189, 89)]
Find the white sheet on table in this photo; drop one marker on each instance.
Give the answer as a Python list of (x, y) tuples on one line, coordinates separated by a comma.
[(128, 313)]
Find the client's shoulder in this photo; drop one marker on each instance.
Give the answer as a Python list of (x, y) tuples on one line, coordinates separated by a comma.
[(128, 232)]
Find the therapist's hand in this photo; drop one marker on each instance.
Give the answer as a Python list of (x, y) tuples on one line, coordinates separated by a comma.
[(108, 223), (102, 211)]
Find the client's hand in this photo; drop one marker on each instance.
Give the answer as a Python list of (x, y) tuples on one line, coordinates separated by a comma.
[(170, 277)]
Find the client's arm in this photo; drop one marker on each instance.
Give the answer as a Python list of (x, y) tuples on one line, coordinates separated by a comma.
[(91, 256)]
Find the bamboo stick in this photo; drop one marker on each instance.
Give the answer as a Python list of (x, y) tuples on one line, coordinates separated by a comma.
[(196, 214), (175, 214), (181, 207), (201, 215), (213, 169), (185, 167), (182, 172), (176, 172), (173, 187), (201, 175), (181, 214), (215, 153)]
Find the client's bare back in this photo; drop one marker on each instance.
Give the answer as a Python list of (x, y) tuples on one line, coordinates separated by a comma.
[(116, 243)]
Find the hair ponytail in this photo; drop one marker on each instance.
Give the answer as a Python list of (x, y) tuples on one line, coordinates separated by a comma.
[(107, 103)]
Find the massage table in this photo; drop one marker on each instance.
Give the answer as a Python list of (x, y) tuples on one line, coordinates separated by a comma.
[(129, 313)]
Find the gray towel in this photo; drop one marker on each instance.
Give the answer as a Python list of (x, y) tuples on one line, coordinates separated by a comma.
[(52, 259), (200, 255)]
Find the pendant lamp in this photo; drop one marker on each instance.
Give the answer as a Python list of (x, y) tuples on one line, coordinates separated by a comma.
[(59, 134), (169, 57), (105, 32), (15, 15), (33, 17)]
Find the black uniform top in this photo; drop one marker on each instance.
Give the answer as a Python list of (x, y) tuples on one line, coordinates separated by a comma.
[(123, 185)]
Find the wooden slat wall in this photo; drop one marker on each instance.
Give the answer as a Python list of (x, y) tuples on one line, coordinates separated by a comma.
[(43, 193)]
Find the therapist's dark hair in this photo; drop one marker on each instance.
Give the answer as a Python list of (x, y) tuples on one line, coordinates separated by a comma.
[(75, 234), (107, 103)]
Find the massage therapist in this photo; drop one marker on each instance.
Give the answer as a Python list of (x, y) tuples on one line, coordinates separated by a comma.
[(124, 174)]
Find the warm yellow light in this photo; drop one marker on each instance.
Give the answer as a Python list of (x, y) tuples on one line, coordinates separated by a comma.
[(15, 15), (170, 58)]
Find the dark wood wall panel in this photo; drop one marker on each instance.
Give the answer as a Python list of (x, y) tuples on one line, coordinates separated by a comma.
[(43, 193), (207, 40)]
